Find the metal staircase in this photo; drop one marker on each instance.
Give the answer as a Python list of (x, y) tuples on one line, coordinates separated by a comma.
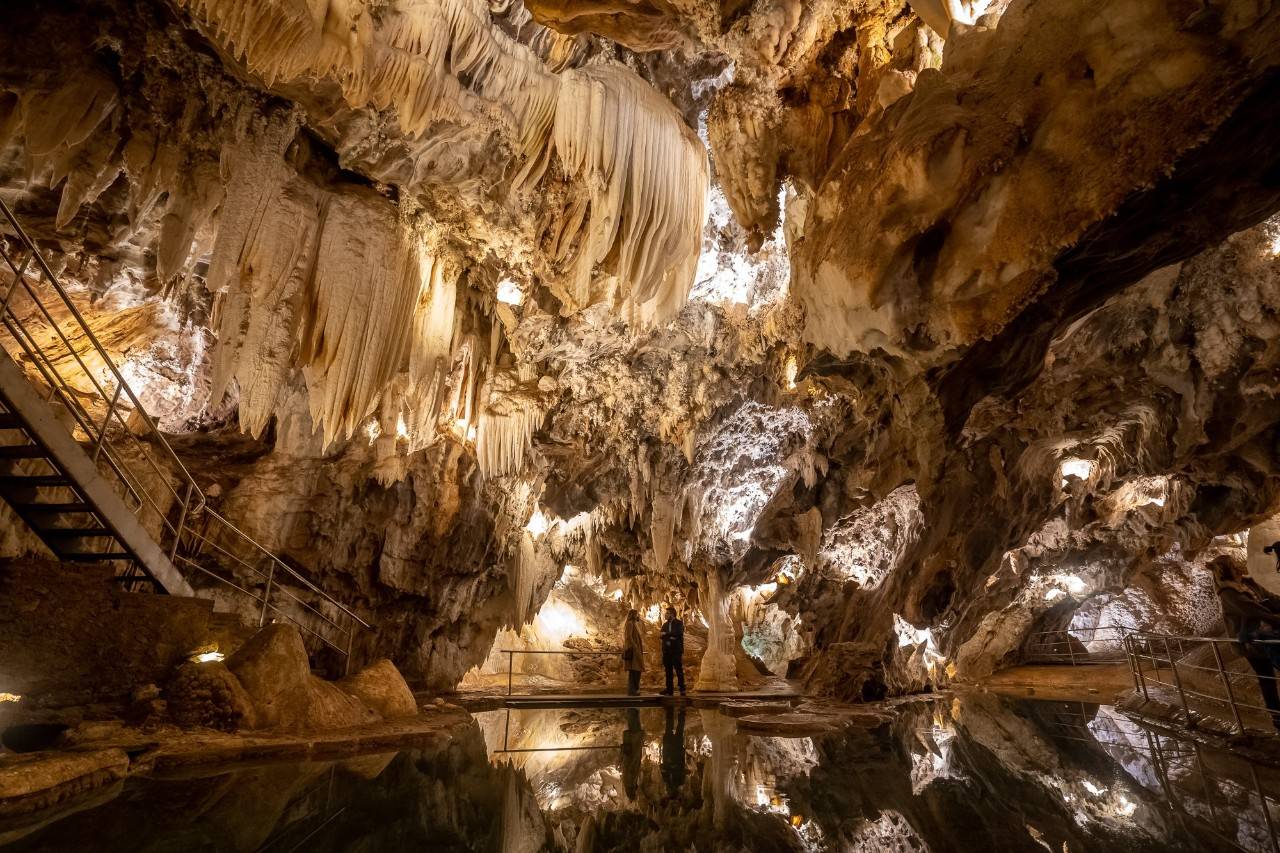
[(85, 467)]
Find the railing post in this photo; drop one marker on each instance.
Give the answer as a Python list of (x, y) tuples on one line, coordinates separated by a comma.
[(351, 638), (1266, 813), (1226, 682), (1132, 661), (511, 666), (1177, 680), (1071, 652), (182, 521), (102, 431), (266, 595)]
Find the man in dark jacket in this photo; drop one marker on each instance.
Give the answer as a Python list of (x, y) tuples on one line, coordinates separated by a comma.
[(673, 649), (1250, 615)]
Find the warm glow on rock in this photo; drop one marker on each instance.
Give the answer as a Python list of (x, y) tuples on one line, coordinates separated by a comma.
[(208, 657)]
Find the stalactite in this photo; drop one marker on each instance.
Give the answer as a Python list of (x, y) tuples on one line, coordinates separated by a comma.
[(508, 418), (662, 528), (646, 173), (647, 177), (358, 312)]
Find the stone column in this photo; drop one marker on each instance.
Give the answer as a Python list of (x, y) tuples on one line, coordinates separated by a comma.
[(719, 671)]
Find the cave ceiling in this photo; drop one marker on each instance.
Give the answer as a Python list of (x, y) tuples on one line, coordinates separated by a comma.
[(947, 301)]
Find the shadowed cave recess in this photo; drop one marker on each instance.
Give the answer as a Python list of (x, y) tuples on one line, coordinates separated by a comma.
[(876, 337)]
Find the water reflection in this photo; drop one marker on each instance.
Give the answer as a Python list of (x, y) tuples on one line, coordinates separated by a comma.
[(968, 773)]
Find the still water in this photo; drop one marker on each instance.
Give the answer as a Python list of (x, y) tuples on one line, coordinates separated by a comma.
[(969, 773)]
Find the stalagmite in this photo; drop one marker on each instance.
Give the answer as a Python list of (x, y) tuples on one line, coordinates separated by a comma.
[(718, 671)]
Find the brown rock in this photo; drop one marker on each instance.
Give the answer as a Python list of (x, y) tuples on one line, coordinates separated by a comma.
[(382, 687), (209, 695), (275, 673), (33, 780)]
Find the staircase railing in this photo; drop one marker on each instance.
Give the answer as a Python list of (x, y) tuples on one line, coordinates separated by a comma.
[(1193, 671), (1078, 646), (118, 433)]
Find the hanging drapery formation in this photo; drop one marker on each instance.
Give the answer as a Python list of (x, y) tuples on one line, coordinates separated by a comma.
[(645, 172), (328, 282), (509, 415), (429, 60), (647, 178)]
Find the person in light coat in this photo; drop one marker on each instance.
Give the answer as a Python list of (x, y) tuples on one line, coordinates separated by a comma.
[(632, 652)]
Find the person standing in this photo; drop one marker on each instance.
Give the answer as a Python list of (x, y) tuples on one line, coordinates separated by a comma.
[(1249, 615), (673, 650), (632, 652)]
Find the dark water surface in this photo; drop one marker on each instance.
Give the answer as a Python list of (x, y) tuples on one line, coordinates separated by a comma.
[(970, 773)]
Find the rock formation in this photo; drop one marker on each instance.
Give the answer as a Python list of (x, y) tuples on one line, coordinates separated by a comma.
[(878, 335)]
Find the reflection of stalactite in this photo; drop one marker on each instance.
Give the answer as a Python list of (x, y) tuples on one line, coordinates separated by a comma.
[(717, 781), (522, 826)]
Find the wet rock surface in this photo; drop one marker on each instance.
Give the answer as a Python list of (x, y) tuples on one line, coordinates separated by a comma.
[(952, 773)]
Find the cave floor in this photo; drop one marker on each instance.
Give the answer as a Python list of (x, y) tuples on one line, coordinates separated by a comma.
[(1102, 683), (965, 772)]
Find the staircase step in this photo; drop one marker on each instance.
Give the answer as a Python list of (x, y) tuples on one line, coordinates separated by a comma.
[(21, 451), (32, 481), (8, 421), (28, 507), (72, 532), (92, 556)]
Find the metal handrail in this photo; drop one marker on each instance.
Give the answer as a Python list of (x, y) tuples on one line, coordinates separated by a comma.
[(511, 657), (185, 543), (1158, 650), (1043, 646)]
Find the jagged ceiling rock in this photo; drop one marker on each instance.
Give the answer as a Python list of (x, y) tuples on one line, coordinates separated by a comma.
[(964, 322), (942, 217)]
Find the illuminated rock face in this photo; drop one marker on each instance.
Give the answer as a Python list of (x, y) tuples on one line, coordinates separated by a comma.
[(932, 325)]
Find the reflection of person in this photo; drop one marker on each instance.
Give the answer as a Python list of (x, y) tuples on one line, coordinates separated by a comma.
[(632, 652), (1250, 615), (673, 770), (632, 753), (673, 649)]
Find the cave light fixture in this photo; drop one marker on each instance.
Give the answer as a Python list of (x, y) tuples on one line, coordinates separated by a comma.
[(211, 656), (510, 293), (9, 697), (402, 429)]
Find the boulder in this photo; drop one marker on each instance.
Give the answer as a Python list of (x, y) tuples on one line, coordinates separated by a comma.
[(275, 673), (209, 695), (382, 688)]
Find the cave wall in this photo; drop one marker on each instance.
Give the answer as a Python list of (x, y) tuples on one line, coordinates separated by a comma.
[(947, 329)]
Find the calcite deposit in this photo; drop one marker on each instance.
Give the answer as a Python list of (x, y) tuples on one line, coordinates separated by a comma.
[(875, 337)]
